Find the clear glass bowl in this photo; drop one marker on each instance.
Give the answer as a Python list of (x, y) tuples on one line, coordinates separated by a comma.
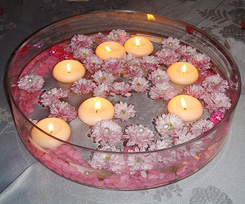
[(71, 160)]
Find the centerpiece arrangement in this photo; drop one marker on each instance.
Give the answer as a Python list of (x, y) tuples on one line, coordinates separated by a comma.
[(122, 109)]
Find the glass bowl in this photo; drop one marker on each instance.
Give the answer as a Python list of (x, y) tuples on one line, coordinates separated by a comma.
[(72, 159)]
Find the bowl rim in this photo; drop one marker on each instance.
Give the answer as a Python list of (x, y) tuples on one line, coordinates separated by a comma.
[(217, 44)]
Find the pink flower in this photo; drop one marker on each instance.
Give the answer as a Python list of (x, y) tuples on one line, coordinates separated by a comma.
[(81, 40), (201, 61), (139, 84), (159, 144), (103, 77), (149, 63), (215, 83), (138, 135), (92, 63), (31, 83), (131, 59), (107, 132), (163, 90), (201, 126), (196, 147), (134, 71), (118, 35), (186, 51), (168, 124), (216, 117), (158, 76), (102, 90), (83, 86), (124, 111), (182, 136), (82, 52), (98, 38), (121, 88), (216, 101), (194, 90), (113, 66), (170, 43), (52, 96), (56, 51), (203, 74), (167, 57), (63, 110)]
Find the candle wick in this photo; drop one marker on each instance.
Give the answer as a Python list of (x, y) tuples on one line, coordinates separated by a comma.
[(184, 108), (96, 111), (50, 132)]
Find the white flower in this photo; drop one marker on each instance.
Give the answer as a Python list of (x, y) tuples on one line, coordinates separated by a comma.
[(124, 111)]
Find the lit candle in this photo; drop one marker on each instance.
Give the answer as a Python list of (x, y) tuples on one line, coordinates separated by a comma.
[(139, 46), (68, 71), (95, 109), (182, 73), (53, 126), (110, 49), (186, 107)]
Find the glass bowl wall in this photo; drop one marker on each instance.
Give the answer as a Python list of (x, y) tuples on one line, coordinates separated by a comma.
[(72, 160)]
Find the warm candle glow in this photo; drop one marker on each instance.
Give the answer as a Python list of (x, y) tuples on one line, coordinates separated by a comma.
[(50, 128), (68, 68), (183, 103), (183, 69), (97, 106), (108, 49), (150, 17), (137, 42)]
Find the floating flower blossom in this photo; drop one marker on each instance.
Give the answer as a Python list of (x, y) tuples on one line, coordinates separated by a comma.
[(149, 63), (163, 90), (107, 132), (63, 110), (216, 117), (201, 126), (118, 35), (56, 51), (27, 100), (170, 43), (216, 101), (167, 57), (138, 135), (121, 88), (158, 76), (196, 147), (81, 40), (103, 77), (82, 52), (52, 95), (168, 124), (215, 83), (83, 86), (31, 83), (102, 91), (98, 38), (124, 111), (203, 74), (134, 71), (194, 90), (139, 84), (201, 61), (113, 66), (93, 63), (159, 144), (186, 52), (182, 136)]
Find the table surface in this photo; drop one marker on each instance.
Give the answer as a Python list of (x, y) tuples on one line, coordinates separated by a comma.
[(24, 180)]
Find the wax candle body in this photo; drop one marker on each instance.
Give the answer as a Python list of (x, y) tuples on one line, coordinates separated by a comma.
[(88, 113), (139, 46), (110, 49), (61, 130), (182, 73), (192, 110), (68, 71)]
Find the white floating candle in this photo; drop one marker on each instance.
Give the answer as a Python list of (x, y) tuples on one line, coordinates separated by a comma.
[(95, 109)]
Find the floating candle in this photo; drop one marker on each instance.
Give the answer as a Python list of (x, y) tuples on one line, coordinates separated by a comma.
[(55, 127), (182, 73), (68, 71), (95, 109), (186, 107), (110, 49), (139, 46)]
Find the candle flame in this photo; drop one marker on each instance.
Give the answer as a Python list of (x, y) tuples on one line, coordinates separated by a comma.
[(183, 103), (50, 128), (108, 49), (183, 69), (150, 17), (97, 106), (137, 42), (68, 68)]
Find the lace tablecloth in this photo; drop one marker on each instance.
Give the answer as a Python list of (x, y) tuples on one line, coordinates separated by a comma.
[(24, 180)]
